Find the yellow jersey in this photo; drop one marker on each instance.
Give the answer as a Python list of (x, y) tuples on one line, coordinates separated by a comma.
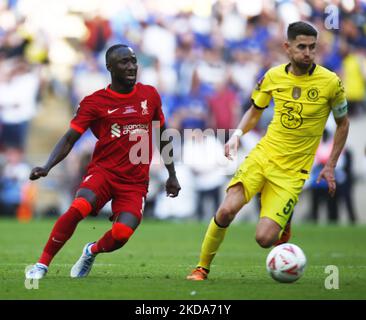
[(301, 108)]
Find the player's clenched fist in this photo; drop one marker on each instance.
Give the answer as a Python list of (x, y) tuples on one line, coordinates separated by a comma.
[(38, 172), (172, 187)]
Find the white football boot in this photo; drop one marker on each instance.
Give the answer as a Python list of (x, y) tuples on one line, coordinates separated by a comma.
[(38, 271), (83, 266)]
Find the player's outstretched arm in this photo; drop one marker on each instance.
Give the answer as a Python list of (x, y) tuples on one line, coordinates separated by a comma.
[(60, 151), (340, 138), (247, 123), (172, 185)]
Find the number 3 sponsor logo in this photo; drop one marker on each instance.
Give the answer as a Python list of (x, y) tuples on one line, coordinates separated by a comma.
[(291, 115)]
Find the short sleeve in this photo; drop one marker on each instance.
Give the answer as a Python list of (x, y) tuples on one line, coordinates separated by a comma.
[(84, 115), (158, 114), (261, 95)]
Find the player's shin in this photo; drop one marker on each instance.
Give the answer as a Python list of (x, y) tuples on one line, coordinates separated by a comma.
[(211, 243), (113, 239), (64, 228)]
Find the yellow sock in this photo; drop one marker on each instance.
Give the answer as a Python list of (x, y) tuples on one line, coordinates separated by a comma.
[(211, 243)]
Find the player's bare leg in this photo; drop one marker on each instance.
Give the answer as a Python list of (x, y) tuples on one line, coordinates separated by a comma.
[(267, 232), (233, 202), (62, 231), (122, 229)]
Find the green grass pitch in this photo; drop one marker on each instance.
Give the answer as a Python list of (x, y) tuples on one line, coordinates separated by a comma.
[(156, 260)]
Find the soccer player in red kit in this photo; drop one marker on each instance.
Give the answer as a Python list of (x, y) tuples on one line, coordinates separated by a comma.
[(121, 117)]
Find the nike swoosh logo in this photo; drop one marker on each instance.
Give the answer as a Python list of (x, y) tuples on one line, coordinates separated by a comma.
[(111, 111), (58, 241)]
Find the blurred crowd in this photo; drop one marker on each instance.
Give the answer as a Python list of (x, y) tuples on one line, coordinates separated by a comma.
[(204, 57)]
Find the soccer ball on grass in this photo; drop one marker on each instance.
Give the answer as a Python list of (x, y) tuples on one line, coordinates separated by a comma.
[(286, 262)]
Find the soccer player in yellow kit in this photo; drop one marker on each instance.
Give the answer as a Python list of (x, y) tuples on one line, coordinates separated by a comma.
[(304, 94)]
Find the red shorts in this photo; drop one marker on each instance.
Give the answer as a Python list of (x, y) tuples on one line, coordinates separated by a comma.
[(106, 186)]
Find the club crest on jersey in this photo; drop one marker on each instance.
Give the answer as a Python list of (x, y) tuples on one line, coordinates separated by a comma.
[(296, 93), (313, 94), (144, 108)]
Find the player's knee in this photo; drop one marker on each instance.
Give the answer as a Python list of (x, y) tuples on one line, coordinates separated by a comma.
[(225, 215), (264, 240), (83, 206), (121, 232)]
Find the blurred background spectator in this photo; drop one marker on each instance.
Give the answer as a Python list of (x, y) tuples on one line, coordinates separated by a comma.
[(319, 191), (16, 191), (204, 57), (345, 187), (344, 177), (203, 155)]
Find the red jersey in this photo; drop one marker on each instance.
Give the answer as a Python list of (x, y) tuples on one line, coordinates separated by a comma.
[(122, 123)]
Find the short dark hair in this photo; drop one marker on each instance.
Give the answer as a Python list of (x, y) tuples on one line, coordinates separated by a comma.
[(112, 49), (300, 28)]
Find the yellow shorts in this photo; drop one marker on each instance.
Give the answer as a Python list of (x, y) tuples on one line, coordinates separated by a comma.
[(279, 188)]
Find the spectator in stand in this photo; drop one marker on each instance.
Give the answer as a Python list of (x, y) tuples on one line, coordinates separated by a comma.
[(18, 103), (319, 191), (13, 181), (345, 182), (99, 33), (224, 106)]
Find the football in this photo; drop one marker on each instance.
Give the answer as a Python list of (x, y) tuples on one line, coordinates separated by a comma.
[(286, 262)]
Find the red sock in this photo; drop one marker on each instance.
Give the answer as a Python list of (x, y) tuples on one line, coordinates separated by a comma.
[(106, 244), (61, 232)]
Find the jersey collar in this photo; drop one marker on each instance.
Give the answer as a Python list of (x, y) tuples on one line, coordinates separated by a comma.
[(311, 71), (121, 95)]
